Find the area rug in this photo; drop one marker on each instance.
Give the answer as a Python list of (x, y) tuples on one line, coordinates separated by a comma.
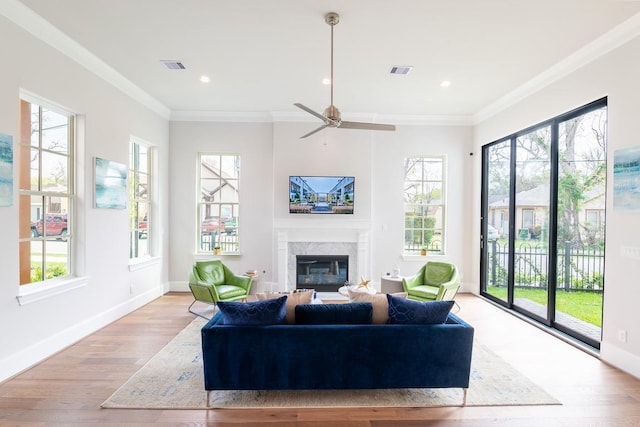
[(173, 379)]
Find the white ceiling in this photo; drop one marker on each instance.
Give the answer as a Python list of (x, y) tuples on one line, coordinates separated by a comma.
[(262, 56)]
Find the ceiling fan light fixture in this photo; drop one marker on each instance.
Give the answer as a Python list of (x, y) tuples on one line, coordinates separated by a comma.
[(331, 115)]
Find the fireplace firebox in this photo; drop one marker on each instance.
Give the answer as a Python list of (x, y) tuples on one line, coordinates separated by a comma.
[(324, 273)]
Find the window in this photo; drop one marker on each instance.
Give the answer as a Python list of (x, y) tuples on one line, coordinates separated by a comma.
[(140, 224), (218, 203), (424, 205), (45, 170)]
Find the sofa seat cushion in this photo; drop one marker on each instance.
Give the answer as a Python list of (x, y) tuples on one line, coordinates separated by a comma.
[(230, 291), (424, 291), (357, 313), (268, 312)]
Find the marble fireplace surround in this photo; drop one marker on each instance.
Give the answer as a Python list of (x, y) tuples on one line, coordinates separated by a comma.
[(341, 238)]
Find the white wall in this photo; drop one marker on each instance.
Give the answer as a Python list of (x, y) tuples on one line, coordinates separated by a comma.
[(33, 331), (253, 142), (271, 153), (614, 75)]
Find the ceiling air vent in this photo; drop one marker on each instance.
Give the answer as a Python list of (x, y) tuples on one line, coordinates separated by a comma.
[(172, 64), (400, 69)]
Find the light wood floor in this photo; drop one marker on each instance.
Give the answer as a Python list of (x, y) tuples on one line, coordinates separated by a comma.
[(68, 388)]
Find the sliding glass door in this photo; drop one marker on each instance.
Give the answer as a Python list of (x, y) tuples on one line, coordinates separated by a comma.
[(543, 218)]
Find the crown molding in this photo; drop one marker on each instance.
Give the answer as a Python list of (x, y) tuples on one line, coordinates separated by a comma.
[(219, 116), (616, 37), (33, 23)]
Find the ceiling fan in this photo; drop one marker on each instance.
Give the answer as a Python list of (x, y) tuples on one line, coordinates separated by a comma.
[(331, 116)]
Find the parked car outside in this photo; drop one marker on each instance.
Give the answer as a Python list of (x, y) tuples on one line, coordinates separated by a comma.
[(212, 225), (492, 233), (142, 226), (56, 226)]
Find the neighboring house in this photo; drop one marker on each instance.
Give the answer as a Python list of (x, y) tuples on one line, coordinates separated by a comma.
[(532, 208)]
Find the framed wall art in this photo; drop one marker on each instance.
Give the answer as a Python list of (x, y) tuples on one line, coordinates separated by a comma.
[(6, 170), (110, 184), (626, 179)]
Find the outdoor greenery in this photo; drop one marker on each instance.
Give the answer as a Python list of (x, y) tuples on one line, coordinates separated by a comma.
[(586, 306), (55, 269)]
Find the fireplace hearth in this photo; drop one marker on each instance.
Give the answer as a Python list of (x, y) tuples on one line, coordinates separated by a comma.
[(324, 273)]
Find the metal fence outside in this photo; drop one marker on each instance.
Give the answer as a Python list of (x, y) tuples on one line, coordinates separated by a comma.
[(579, 268)]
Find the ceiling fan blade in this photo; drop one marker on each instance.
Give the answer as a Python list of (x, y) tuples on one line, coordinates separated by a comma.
[(369, 126), (310, 111), (316, 130)]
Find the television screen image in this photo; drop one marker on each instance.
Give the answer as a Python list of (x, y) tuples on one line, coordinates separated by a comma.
[(321, 194)]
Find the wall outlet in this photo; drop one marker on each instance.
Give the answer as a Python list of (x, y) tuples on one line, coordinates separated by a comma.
[(630, 252), (131, 288), (622, 335)]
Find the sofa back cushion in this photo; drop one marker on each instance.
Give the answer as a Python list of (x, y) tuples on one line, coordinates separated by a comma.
[(210, 272), (357, 313), (379, 303), (268, 312), (406, 311)]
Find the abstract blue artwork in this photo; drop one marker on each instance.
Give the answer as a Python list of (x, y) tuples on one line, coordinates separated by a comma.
[(626, 179), (6, 170), (111, 184)]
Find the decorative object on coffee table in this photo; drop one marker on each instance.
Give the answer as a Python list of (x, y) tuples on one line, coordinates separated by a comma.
[(364, 283)]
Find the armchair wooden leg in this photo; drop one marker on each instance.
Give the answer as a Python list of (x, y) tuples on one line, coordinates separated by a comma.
[(464, 397)]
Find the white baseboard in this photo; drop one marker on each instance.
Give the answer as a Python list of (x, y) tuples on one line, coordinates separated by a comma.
[(37, 352), (182, 286), (621, 359)]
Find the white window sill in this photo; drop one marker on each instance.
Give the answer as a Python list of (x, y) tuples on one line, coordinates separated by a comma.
[(205, 256), (417, 257), (140, 263), (42, 290)]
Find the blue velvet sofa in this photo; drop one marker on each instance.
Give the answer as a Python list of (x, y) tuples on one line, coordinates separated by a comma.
[(336, 356)]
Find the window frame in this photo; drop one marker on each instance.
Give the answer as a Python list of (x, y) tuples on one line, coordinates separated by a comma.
[(34, 290), (438, 230), (135, 226), (225, 236)]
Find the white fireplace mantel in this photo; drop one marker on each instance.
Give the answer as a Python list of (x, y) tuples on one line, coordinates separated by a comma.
[(322, 237)]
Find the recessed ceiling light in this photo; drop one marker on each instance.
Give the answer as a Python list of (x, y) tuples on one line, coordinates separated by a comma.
[(445, 83), (205, 79), (326, 81)]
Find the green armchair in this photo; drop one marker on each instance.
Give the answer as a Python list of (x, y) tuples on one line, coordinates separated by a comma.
[(435, 281), (212, 281)]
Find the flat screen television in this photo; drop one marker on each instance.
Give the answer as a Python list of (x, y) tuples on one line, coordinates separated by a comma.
[(324, 195)]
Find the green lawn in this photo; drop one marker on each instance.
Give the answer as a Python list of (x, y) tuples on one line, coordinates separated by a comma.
[(585, 306)]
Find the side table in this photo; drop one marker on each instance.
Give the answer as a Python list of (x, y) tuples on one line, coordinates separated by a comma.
[(390, 284)]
